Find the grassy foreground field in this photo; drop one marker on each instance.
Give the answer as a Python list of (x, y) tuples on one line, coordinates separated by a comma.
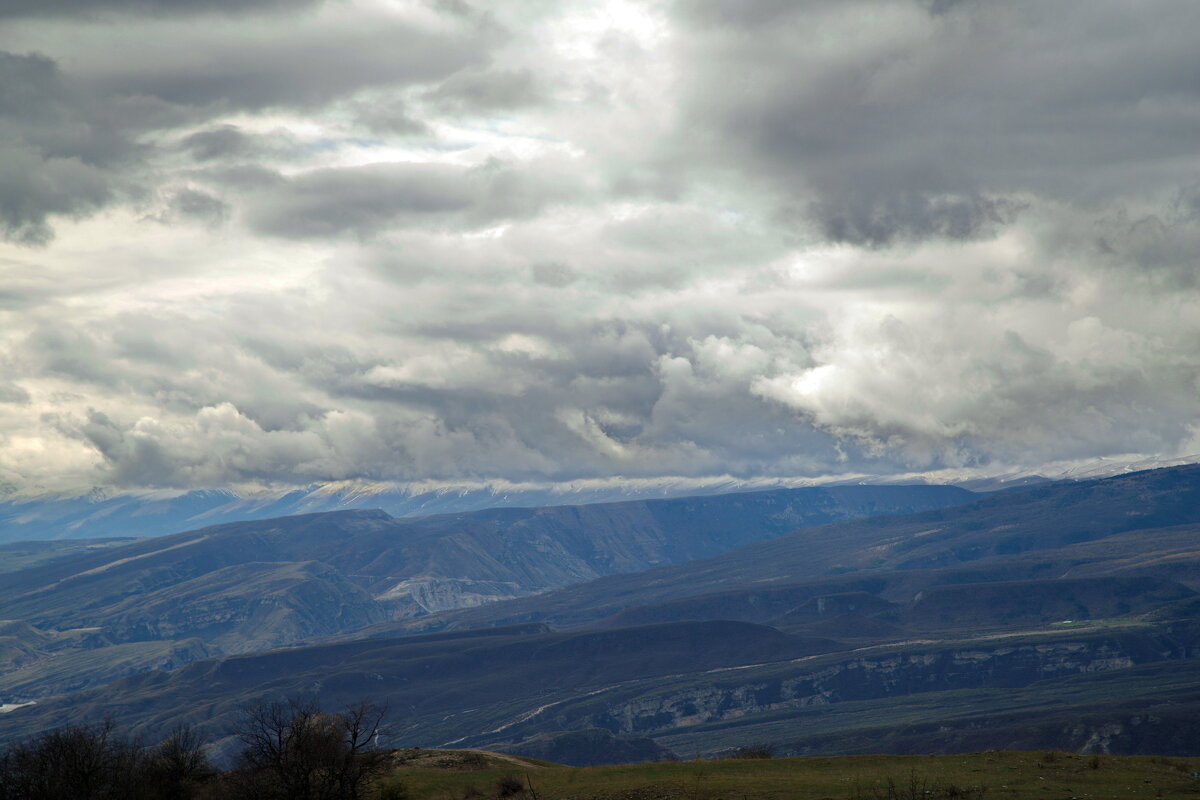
[(1049, 775)]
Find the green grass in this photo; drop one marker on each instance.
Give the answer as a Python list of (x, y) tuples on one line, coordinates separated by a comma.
[(1049, 775)]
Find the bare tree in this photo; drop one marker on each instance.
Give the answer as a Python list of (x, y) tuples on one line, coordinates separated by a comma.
[(177, 765), (77, 762), (294, 750)]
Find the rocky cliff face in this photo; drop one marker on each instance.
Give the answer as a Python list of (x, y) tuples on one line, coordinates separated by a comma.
[(867, 678), (417, 596), (246, 608)]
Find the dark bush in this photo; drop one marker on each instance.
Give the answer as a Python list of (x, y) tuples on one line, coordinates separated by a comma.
[(508, 786), (757, 750)]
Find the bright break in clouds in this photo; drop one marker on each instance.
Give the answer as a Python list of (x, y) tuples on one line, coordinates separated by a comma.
[(260, 242)]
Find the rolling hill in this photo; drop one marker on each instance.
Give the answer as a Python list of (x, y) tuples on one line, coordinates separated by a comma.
[(1146, 521), (255, 585)]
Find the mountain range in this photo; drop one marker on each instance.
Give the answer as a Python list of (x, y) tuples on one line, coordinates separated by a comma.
[(84, 614), (100, 513), (1063, 615)]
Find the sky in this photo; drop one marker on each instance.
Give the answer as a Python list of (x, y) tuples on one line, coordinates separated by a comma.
[(270, 243)]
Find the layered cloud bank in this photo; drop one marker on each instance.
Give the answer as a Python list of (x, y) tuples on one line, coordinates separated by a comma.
[(265, 243)]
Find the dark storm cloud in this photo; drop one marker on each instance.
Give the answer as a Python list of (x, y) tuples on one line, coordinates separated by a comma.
[(312, 66), (1161, 246), (12, 393), (938, 7), (74, 8), (242, 176), (80, 137), (920, 125), (388, 117), (230, 155), (739, 15), (58, 149), (477, 90), (135, 460), (364, 200), (69, 352), (868, 218), (191, 204), (221, 142)]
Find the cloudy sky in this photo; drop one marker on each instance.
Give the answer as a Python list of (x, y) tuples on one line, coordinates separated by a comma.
[(273, 242)]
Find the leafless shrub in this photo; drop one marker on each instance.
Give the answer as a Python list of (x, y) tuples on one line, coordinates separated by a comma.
[(917, 788)]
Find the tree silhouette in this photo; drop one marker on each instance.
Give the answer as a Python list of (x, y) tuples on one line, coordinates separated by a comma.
[(294, 750)]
